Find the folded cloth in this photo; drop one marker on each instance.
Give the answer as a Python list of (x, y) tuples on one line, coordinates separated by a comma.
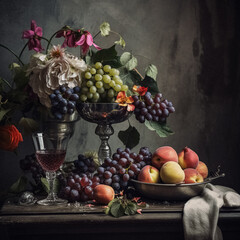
[(200, 214)]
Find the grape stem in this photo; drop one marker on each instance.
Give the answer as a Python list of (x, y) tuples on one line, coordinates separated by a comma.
[(138, 73)]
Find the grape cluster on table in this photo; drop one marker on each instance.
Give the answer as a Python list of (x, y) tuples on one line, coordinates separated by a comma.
[(63, 101), (123, 166), (30, 164), (80, 182), (101, 84), (79, 187), (84, 164), (152, 108)]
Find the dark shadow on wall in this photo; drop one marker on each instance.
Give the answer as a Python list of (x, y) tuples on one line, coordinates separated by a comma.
[(219, 82)]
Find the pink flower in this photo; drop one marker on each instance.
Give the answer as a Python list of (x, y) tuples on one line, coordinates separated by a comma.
[(139, 211), (34, 35), (85, 41), (70, 38)]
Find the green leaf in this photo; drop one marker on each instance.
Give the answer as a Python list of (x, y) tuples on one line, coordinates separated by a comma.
[(107, 210), (20, 78), (161, 128), (151, 71), (28, 125), (17, 96), (105, 29), (3, 112), (117, 209), (130, 137), (128, 60), (151, 84), (14, 67), (88, 60), (130, 78), (105, 54), (20, 185), (121, 42), (115, 63), (46, 185), (131, 208)]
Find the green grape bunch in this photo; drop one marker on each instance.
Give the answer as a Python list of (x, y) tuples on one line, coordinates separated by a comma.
[(101, 84)]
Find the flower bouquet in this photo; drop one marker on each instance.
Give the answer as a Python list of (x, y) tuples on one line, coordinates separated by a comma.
[(54, 81)]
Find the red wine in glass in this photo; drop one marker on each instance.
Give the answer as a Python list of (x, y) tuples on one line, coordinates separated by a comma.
[(50, 160)]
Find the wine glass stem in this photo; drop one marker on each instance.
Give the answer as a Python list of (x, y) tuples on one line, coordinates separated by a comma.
[(51, 178)]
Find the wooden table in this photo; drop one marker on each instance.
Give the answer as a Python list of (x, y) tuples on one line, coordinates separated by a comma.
[(161, 220)]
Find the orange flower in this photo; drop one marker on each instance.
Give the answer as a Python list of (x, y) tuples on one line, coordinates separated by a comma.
[(9, 137), (123, 100), (140, 90)]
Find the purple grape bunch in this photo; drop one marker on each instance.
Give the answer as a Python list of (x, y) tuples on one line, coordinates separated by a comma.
[(152, 108), (85, 164), (63, 101), (79, 187), (123, 166), (30, 164)]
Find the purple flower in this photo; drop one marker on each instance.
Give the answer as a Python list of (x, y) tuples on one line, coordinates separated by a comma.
[(70, 38), (85, 41), (34, 35)]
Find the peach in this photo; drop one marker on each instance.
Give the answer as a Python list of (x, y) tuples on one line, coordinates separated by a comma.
[(163, 155), (187, 158), (103, 194), (192, 176), (149, 174), (202, 169), (171, 172)]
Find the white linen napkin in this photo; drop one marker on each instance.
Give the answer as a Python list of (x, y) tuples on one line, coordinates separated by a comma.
[(200, 214)]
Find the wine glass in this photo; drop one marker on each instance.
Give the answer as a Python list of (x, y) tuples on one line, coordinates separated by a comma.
[(50, 153)]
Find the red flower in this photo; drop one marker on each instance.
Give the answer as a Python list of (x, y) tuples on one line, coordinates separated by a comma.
[(9, 137), (34, 35), (123, 100), (140, 90)]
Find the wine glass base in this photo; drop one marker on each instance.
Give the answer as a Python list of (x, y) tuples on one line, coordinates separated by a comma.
[(52, 202)]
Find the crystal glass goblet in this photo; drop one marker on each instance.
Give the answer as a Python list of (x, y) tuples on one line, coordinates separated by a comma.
[(50, 153), (104, 115)]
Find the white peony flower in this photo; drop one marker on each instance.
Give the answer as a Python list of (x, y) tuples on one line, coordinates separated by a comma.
[(48, 72)]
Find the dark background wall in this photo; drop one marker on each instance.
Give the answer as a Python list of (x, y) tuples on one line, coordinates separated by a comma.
[(194, 44)]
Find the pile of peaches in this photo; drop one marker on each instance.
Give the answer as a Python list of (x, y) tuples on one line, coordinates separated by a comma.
[(169, 167)]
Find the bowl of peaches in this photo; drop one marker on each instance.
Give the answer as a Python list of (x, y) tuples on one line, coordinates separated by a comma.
[(174, 177)]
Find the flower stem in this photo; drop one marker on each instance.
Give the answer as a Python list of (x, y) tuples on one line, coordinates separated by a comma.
[(49, 41), (7, 83), (12, 53), (96, 34), (20, 55), (45, 40)]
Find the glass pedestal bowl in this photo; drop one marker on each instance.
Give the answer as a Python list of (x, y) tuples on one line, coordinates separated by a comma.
[(104, 115)]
